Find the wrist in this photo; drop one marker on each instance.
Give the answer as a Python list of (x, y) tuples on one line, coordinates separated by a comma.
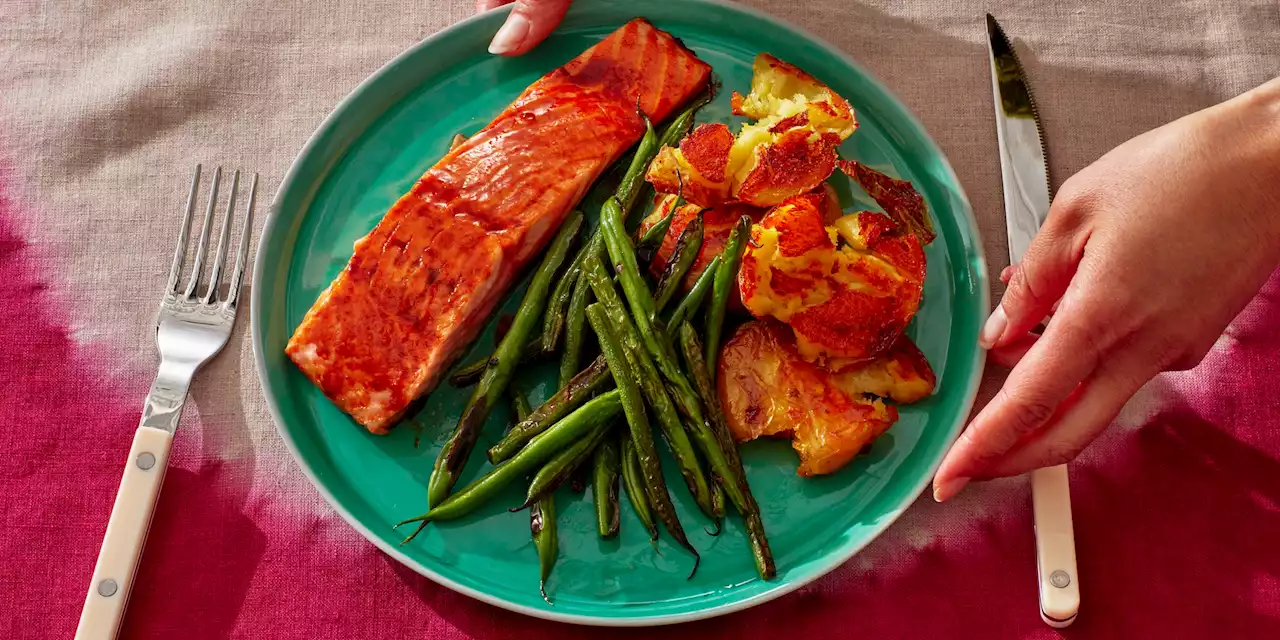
[(1254, 117)]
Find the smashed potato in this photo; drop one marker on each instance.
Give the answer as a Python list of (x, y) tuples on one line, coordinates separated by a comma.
[(901, 374), (767, 389), (698, 168), (897, 197), (781, 90), (847, 289), (790, 150)]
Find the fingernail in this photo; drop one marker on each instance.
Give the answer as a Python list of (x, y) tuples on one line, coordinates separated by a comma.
[(994, 328), (511, 35), (948, 489), (1006, 274)]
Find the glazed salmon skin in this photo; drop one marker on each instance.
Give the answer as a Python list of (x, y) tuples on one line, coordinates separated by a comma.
[(420, 286)]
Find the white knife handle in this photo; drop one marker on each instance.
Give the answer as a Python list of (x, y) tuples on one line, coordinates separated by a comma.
[(126, 533), (1055, 546)]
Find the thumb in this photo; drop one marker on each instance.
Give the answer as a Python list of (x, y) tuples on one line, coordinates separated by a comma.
[(529, 23), (1040, 279)]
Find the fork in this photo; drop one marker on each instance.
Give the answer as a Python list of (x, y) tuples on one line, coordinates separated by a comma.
[(190, 330)]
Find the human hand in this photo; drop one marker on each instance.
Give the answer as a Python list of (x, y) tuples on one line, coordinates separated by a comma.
[(1147, 254), (529, 23)]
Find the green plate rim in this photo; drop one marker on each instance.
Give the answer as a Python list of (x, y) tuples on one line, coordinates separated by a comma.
[(969, 235)]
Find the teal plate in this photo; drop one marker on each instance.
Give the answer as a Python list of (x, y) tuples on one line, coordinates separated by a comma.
[(390, 130)]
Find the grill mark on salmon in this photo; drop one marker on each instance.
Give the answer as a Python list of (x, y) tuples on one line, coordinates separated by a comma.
[(420, 285)]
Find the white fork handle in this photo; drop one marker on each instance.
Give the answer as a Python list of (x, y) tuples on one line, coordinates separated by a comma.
[(126, 533), (1055, 546)]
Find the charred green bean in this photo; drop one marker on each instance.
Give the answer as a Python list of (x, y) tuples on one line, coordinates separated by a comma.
[(589, 381), (689, 304), (682, 258), (650, 383), (633, 482), (604, 486), (590, 416), (638, 424), (733, 478), (726, 284), (542, 523)]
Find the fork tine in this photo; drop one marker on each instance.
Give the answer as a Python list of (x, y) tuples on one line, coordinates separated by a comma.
[(221, 257), (198, 266), (242, 254), (180, 254)]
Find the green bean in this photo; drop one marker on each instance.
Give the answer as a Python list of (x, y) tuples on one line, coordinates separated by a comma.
[(554, 322), (590, 416), (623, 255), (717, 509), (470, 374), (692, 300), (558, 469), (653, 236), (644, 312), (633, 481), (682, 259), (683, 122), (629, 187), (519, 404), (453, 457), (726, 284), (576, 325), (638, 423), (604, 485), (714, 448), (734, 478), (650, 384), (592, 379), (542, 522), (605, 187)]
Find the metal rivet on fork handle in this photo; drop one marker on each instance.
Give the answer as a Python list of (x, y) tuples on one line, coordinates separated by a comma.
[(107, 588), (146, 460), (1060, 579)]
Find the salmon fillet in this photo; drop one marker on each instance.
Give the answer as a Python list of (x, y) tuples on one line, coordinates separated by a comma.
[(419, 287)]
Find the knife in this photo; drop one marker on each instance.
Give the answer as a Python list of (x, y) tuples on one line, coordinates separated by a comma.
[(1026, 204)]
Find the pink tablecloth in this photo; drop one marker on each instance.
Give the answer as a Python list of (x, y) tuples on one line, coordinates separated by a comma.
[(105, 108)]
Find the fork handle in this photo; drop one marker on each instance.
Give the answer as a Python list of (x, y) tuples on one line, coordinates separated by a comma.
[(126, 533)]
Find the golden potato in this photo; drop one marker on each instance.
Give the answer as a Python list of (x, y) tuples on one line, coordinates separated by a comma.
[(788, 163), (790, 150), (901, 374), (767, 389), (848, 290), (781, 90), (897, 197), (697, 169)]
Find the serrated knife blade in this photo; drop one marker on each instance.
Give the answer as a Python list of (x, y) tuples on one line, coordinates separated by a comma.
[(1027, 193), (1022, 150)]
